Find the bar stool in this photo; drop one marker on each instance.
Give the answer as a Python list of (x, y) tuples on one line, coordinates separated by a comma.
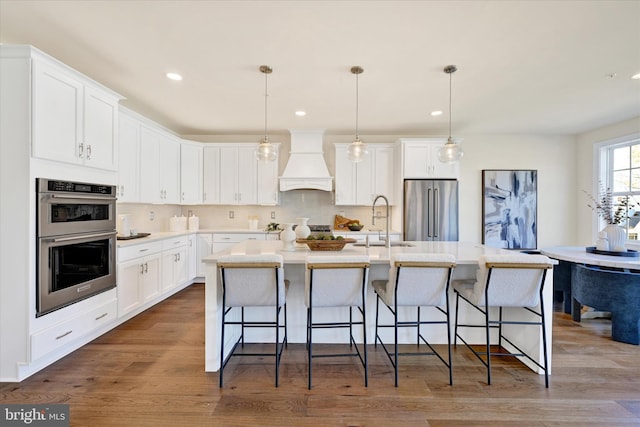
[(253, 281), (337, 281), (509, 280), (416, 280)]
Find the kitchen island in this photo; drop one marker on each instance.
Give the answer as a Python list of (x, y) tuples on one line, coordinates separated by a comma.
[(466, 255)]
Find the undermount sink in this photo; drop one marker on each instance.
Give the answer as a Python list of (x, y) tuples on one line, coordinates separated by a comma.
[(381, 244)]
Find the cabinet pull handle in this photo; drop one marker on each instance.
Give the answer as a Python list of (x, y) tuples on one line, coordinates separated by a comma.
[(122, 190), (89, 152), (146, 267), (63, 335), (101, 316), (80, 150), (141, 268), (178, 256), (183, 195), (204, 196), (143, 250)]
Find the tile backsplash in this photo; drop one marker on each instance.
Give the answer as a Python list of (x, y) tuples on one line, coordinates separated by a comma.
[(316, 205)]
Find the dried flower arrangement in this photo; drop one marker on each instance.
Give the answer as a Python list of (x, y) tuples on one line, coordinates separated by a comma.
[(614, 213)]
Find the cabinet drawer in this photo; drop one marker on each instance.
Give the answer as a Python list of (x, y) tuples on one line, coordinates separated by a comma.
[(237, 237), (70, 330), (175, 242), (137, 251)]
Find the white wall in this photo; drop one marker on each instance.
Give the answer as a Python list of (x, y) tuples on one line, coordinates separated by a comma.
[(586, 222), (552, 156)]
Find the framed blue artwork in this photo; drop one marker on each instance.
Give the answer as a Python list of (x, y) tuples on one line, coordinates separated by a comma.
[(510, 208)]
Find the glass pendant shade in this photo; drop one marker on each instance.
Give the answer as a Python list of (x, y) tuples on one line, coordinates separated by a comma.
[(357, 151), (266, 152), (450, 152)]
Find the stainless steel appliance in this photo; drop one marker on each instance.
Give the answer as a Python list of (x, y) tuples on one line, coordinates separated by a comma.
[(76, 241), (430, 209)]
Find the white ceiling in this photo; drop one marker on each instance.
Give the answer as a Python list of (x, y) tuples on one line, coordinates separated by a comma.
[(537, 67)]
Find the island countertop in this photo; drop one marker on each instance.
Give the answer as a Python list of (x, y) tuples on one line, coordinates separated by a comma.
[(466, 253)]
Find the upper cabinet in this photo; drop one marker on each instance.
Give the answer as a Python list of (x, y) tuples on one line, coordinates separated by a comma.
[(190, 173), (159, 167), (74, 120), (268, 192), (420, 159), (359, 183), (238, 175), (128, 159), (210, 174)]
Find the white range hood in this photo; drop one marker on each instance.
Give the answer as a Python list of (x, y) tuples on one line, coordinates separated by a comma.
[(306, 167)]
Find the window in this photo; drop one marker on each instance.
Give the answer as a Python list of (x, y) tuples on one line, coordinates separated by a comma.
[(621, 174)]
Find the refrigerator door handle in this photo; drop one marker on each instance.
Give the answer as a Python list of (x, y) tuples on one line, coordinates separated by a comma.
[(429, 212), (436, 212)]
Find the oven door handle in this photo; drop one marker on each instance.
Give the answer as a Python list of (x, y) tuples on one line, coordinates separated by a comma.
[(83, 197), (83, 236)]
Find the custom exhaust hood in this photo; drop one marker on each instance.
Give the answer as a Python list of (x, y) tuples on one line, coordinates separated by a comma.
[(306, 167)]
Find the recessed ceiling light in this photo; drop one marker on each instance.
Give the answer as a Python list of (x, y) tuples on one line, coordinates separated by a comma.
[(301, 113), (174, 76), (436, 113), (636, 76)]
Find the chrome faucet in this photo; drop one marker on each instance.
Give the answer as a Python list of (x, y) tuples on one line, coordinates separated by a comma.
[(387, 242)]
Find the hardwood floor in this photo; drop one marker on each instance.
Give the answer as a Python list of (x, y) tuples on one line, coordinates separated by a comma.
[(150, 371)]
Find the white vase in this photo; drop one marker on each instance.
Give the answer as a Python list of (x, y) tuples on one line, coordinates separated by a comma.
[(288, 237), (617, 238), (302, 229)]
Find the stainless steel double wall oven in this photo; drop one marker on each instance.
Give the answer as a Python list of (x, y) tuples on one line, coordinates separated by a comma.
[(76, 242)]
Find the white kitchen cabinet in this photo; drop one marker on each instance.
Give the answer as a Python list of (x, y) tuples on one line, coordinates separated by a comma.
[(128, 154), (159, 167), (238, 175), (139, 270), (74, 120), (223, 241), (268, 190), (192, 256), (345, 177), (61, 334), (190, 173), (204, 248), (211, 175), (175, 263), (420, 159), (359, 183)]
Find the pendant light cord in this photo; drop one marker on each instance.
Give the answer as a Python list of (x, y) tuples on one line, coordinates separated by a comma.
[(266, 94), (450, 105), (357, 105)]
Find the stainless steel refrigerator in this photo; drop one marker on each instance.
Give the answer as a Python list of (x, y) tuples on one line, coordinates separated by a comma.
[(430, 209)]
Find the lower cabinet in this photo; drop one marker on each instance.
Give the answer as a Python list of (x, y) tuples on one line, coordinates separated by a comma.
[(175, 263), (139, 270), (148, 271), (64, 333)]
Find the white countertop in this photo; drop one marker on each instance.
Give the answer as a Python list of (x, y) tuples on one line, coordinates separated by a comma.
[(464, 252), (579, 254)]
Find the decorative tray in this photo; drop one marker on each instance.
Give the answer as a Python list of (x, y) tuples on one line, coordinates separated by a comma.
[(326, 245), (134, 236), (629, 253)]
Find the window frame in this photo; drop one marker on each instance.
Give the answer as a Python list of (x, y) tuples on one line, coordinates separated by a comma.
[(604, 174)]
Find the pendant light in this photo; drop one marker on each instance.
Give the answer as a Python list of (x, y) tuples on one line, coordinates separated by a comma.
[(357, 151), (450, 152), (265, 151)]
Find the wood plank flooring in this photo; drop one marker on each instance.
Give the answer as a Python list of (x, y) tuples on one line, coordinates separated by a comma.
[(150, 371)]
